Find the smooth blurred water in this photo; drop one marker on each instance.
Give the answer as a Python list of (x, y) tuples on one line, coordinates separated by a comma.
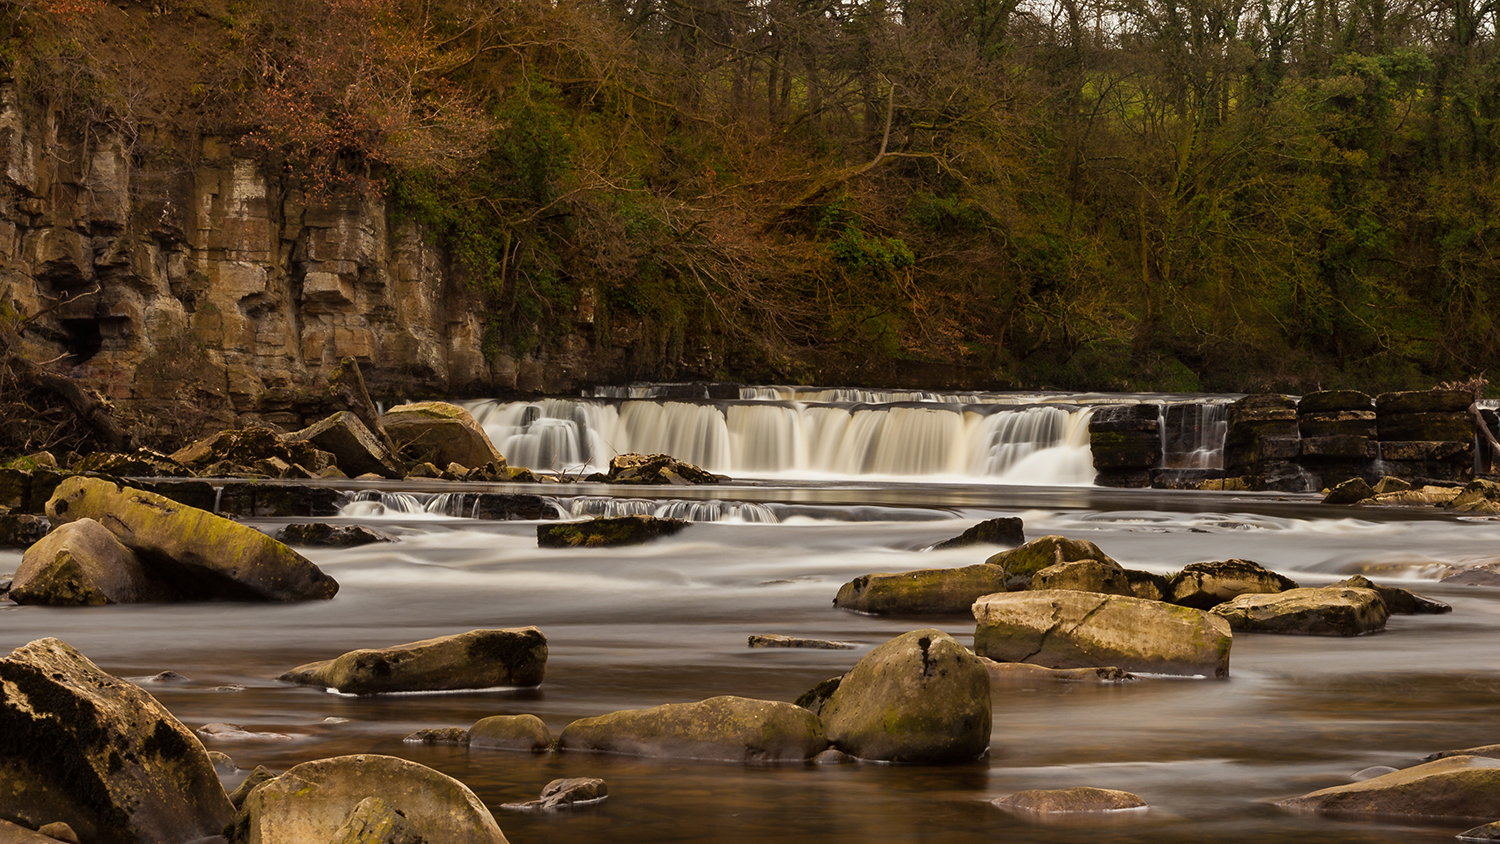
[(668, 622)]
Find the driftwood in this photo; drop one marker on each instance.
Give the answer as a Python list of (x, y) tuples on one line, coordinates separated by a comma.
[(1484, 431)]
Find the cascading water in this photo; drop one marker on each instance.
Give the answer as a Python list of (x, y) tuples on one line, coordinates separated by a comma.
[(1192, 434)]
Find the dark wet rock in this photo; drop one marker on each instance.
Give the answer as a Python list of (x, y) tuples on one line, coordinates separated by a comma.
[(219, 731), (1103, 576), (653, 469), (1488, 832), (1006, 531), (478, 659), (314, 801), (606, 532), (1065, 629), (1012, 672), (193, 493), (813, 699), (565, 793), (1491, 751), (921, 592), (1329, 611), (728, 728), (1148, 585), (250, 451), (354, 448), (1397, 601), (141, 463), (1020, 564), (525, 733), (439, 433), (21, 530), (202, 555), (919, 698), (332, 536), (82, 563), (374, 821), (832, 756), (503, 507), (81, 747), (271, 500), (1205, 585), (438, 735), (1456, 787), (1487, 574), (261, 774), (1479, 496), (1069, 800), (774, 640), (1423, 401), (1447, 426), (1330, 401)]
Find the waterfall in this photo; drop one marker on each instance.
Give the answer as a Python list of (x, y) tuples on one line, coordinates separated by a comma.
[(1192, 434)]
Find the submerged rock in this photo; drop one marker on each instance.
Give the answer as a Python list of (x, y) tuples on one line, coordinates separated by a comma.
[(1000, 531), (1329, 611), (921, 592), (313, 802), (82, 563), (1068, 800), (1456, 787), (511, 732), (478, 659), (920, 698), (564, 793), (99, 754), (1012, 672), (439, 433), (1205, 585), (439, 735), (730, 728), (606, 532), (202, 555), (1065, 629), (773, 640)]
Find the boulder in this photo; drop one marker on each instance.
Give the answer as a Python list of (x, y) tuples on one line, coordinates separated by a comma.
[(81, 747), (920, 698), (606, 532), (1084, 576), (202, 555), (1397, 601), (1456, 787), (728, 728), (632, 468), (1020, 564), (921, 592), (250, 451), (1014, 672), (1001, 531), (511, 732), (13, 834), (1351, 491), (564, 793), (1148, 585), (439, 433), (21, 530), (1486, 574), (313, 801), (1479, 496), (248, 784), (354, 448), (1488, 832), (1065, 629), (1068, 800), (774, 640), (478, 659), (331, 536), (1391, 484), (1329, 611), (375, 822), (1205, 585), (82, 563)]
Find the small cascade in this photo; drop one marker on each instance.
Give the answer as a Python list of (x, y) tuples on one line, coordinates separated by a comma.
[(375, 504), (1192, 435), (693, 511)]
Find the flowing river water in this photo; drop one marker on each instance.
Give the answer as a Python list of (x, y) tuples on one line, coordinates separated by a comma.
[(668, 622)]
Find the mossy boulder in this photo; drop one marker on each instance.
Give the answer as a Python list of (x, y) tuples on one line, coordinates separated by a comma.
[(99, 754), (82, 563), (510, 732), (1352, 491), (1081, 799), (1065, 629), (1397, 601), (1020, 564), (1329, 611), (1006, 531), (354, 448), (1105, 576), (1205, 585), (478, 659), (1455, 787), (439, 433), (204, 556), (314, 801), (727, 728), (606, 532), (920, 698), (921, 592)]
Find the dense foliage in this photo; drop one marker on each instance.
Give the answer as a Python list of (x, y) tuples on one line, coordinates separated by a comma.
[(1178, 194)]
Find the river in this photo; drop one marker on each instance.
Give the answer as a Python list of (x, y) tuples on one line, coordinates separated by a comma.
[(668, 622)]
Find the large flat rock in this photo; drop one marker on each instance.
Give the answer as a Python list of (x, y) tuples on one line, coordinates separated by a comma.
[(478, 659), (1454, 787)]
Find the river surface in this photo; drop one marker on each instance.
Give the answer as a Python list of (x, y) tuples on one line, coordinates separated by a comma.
[(668, 622)]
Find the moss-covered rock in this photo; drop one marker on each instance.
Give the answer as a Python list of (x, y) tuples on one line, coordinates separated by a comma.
[(354, 448), (248, 784), (1105, 576), (1019, 564), (478, 659), (82, 563), (921, 592), (511, 732), (202, 555), (439, 433), (99, 754), (1081, 799), (374, 821), (606, 532), (1064, 629), (1205, 585), (726, 727), (1007, 531), (1455, 787), (921, 697), (1329, 611), (1397, 601), (313, 802)]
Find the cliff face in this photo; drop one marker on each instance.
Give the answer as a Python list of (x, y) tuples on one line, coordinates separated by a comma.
[(220, 292)]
